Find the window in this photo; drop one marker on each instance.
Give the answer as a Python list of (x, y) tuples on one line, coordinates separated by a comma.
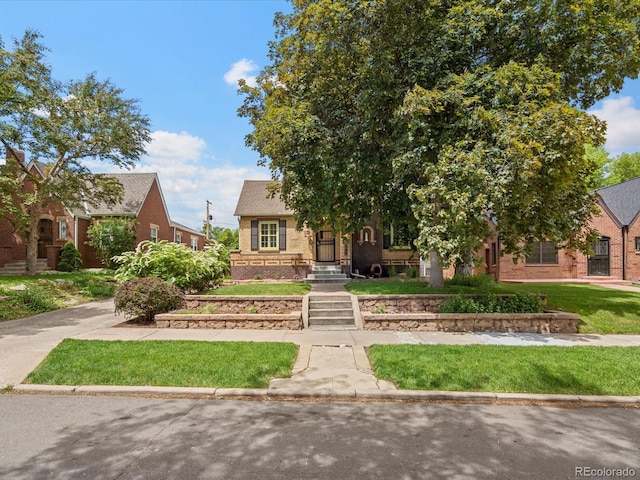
[(194, 243), (178, 237), (62, 229), (544, 253), (637, 244), (268, 235), (494, 254), (154, 233)]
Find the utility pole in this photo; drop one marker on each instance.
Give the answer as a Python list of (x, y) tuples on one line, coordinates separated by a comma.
[(208, 219)]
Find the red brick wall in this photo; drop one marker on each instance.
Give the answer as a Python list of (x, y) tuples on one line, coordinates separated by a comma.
[(633, 256), (153, 213)]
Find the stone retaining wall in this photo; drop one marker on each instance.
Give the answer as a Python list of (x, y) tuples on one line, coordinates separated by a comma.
[(240, 304), (546, 322), (285, 321), (411, 303)]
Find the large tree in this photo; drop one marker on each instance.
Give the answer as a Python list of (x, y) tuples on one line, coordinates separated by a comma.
[(60, 125), (442, 113)]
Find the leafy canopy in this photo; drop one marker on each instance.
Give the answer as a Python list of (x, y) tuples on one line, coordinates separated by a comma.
[(60, 124), (441, 113), (111, 237)]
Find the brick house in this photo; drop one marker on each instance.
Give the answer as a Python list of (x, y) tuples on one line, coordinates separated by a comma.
[(272, 247), (142, 200), (615, 255)]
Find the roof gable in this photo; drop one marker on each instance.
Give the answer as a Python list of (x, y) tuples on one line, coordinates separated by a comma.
[(255, 200), (622, 200)]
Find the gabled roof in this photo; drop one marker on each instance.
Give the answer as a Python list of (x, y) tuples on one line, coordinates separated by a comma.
[(255, 200), (622, 200), (135, 187)]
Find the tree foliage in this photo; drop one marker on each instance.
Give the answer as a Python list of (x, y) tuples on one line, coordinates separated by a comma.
[(187, 269), (111, 237), (229, 237), (60, 124), (441, 113)]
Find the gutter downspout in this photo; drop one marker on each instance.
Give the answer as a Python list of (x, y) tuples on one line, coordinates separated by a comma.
[(75, 231)]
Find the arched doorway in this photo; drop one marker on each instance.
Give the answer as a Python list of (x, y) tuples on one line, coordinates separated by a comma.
[(598, 264), (45, 227)]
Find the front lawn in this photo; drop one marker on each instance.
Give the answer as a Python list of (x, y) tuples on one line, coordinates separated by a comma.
[(165, 363), (602, 310), (285, 288), (581, 370), (23, 296)]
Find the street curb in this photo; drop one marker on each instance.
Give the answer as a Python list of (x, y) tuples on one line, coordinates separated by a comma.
[(302, 394)]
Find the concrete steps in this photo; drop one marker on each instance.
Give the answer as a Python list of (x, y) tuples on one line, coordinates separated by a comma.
[(326, 274), (19, 267), (333, 310)]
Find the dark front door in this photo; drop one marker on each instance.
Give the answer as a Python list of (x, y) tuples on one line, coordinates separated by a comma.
[(46, 237), (598, 263), (325, 246)]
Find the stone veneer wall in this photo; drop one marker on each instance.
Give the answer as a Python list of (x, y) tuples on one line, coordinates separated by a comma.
[(410, 303), (285, 321), (241, 304), (547, 322)]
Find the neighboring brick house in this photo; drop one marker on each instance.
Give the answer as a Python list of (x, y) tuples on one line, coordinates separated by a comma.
[(615, 255), (272, 247), (142, 200)]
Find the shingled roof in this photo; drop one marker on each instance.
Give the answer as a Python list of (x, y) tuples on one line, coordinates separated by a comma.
[(135, 186), (622, 200), (255, 200)]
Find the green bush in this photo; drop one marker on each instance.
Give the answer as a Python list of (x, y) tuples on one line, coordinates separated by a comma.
[(187, 269), (411, 272), (70, 258), (519, 303), (481, 280), (36, 299), (111, 237), (142, 298)]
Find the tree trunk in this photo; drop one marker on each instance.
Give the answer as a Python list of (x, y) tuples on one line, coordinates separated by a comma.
[(32, 237), (436, 278)]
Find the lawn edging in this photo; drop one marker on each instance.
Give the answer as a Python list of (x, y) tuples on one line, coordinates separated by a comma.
[(266, 321)]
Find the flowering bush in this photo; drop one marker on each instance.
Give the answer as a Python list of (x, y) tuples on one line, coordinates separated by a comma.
[(177, 264), (143, 298)]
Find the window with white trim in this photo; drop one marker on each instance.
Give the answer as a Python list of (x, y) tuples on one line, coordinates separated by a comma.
[(194, 243), (62, 228), (153, 235), (268, 235), (638, 244), (178, 237)]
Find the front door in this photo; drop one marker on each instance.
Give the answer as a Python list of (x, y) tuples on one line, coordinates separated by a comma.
[(325, 246), (46, 237), (598, 263)]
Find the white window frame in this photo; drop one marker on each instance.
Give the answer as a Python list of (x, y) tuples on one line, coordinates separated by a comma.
[(63, 228), (194, 243), (152, 237), (178, 237), (269, 240)]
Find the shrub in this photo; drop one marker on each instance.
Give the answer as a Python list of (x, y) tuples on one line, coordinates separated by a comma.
[(522, 303), (175, 263), (70, 258), (36, 299), (411, 272), (99, 288), (111, 237), (142, 298), (519, 303), (481, 280)]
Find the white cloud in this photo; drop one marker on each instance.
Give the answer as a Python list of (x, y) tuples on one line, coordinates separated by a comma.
[(188, 179), (242, 69), (623, 124)]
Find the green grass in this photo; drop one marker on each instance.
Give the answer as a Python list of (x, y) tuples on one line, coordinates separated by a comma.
[(262, 289), (602, 310), (52, 291), (580, 370), (165, 363)]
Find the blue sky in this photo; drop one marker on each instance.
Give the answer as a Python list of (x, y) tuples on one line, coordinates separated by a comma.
[(182, 60)]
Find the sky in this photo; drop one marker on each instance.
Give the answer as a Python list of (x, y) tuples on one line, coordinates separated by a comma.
[(182, 61)]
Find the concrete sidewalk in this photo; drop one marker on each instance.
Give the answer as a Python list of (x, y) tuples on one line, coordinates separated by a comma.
[(331, 363)]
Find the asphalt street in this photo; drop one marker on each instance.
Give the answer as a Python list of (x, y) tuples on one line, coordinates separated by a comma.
[(116, 437)]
